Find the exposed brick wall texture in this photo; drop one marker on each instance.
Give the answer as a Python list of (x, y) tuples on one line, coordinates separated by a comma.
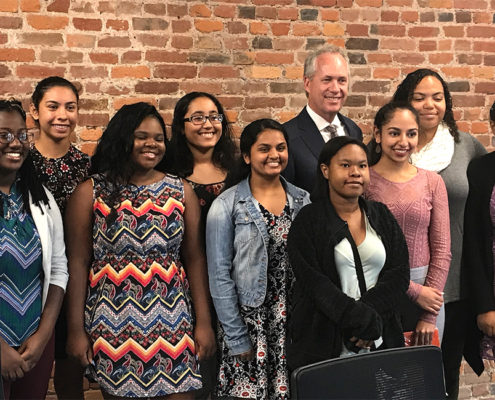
[(249, 53)]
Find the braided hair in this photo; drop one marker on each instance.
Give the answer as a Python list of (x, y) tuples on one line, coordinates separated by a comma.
[(27, 180)]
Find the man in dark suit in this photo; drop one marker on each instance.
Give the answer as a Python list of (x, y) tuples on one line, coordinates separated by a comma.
[(326, 82)]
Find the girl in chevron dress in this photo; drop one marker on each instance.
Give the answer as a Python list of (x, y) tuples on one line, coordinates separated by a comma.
[(146, 318)]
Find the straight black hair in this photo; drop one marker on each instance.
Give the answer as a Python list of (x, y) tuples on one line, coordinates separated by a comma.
[(248, 138), (383, 117), (46, 84), (181, 159), (329, 150)]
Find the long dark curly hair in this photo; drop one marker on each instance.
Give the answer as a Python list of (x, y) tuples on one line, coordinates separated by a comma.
[(405, 91), (28, 182), (113, 152), (180, 159)]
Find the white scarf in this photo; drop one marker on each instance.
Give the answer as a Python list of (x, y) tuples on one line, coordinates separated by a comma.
[(438, 153)]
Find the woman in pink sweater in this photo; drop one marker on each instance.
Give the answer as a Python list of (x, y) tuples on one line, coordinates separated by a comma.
[(418, 200)]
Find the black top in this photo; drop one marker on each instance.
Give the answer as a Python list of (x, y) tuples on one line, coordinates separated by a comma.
[(320, 307), (61, 175), (305, 144), (206, 193)]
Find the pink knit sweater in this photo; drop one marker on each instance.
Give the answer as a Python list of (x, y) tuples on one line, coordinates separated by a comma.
[(421, 208)]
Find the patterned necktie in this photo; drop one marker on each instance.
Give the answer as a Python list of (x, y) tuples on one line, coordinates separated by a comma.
[(332, 130)]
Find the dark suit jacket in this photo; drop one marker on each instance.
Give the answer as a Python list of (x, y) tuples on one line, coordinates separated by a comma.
[(305, 144), (477, 254)]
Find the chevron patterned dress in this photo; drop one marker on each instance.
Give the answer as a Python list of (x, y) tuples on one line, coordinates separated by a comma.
[(138, 310)]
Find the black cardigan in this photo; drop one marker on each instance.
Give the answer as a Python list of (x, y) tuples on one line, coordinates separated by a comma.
[(477, 257), (318, 303)]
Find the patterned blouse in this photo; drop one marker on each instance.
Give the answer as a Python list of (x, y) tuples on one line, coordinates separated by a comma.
[(21, 271), (206, 194), (61, 175)]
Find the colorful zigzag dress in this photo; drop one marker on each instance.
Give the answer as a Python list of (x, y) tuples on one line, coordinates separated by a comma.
[(138, 310)]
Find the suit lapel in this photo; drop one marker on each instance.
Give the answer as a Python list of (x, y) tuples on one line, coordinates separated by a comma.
[(309, 133), (344, 124)]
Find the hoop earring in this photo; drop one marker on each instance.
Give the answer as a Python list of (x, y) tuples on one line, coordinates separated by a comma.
[(378, 148)]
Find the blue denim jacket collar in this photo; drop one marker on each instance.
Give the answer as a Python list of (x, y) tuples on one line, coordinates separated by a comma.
[(234, 279), (295, 195)]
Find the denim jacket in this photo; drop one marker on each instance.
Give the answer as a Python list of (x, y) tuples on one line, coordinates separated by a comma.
[(236, 248)]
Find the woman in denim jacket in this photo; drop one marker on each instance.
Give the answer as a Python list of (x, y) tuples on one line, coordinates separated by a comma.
[(249, 272)]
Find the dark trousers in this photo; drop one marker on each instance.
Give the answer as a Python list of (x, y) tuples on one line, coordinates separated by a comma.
[(68, 377), (454, 337), (34, 384)]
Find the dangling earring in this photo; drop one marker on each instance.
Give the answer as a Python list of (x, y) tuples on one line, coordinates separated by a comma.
[(378, 148)]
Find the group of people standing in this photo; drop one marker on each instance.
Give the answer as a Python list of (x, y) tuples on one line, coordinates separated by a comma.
[(192, 269)]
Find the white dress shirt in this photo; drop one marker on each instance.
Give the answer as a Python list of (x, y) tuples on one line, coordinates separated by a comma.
[(322, 123)]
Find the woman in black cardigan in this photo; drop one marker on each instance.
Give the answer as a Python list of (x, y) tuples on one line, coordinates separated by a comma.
[(351, 264)]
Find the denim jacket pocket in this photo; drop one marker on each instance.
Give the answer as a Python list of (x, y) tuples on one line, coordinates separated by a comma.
[(245, 228)]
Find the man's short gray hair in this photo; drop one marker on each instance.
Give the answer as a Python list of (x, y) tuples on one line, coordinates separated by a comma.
[(310, 62)]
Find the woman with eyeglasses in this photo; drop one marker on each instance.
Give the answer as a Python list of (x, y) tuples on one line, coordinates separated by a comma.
[(202, 146), (202, 152), (33, 266), (60, 166)]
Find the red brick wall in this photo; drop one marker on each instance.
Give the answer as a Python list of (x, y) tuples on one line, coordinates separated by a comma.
[(247, 52)]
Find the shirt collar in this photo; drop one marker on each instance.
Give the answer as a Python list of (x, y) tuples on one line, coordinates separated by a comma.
[(322, 123)]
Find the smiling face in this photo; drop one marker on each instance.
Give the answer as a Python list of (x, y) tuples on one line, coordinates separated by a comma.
[(57, 113), (347, 174), (149, 144), (205, 136), (327, 89), (12, 154), (268, 155), (428, 99), (399, 136)]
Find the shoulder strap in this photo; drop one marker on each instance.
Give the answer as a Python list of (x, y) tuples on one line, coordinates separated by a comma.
[(357, 264)]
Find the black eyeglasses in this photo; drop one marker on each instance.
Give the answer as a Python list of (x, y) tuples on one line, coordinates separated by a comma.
[(201, 119), (7, 136)]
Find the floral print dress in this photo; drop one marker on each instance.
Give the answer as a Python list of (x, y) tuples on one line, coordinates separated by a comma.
[(61, 175), (206, 194), (267, 376)]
